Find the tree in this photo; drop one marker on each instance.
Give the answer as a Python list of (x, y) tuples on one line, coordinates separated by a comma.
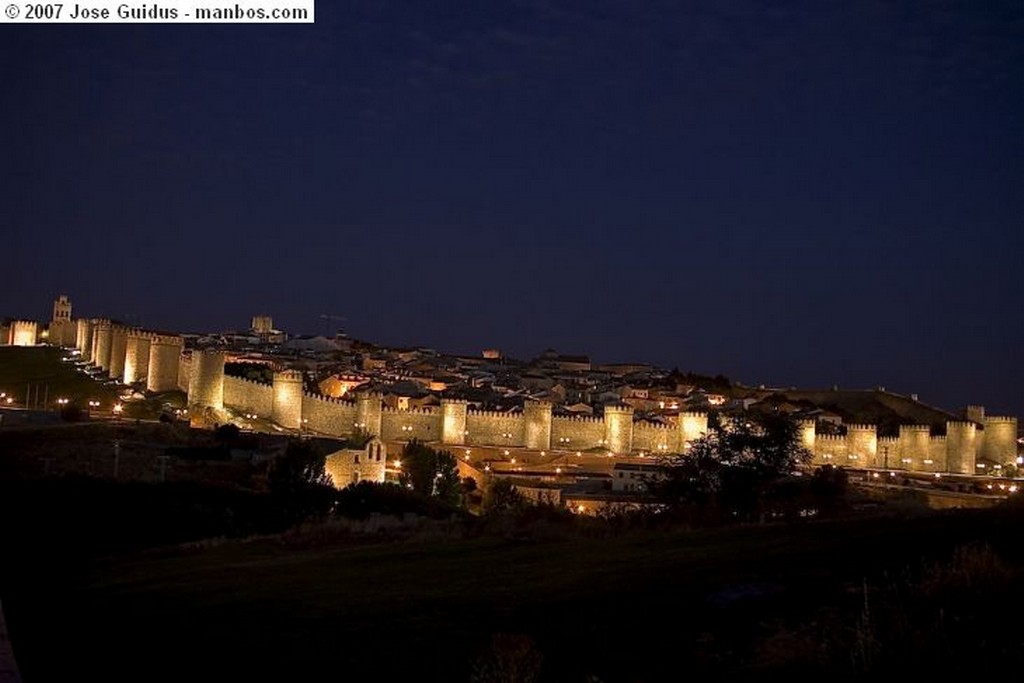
[(299, 482), (501, 496), (727, 474), (431, 472)]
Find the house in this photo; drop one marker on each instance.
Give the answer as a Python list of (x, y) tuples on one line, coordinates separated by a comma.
[(353, 465), (628, 476)]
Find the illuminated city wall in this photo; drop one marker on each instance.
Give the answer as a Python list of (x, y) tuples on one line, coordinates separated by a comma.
[(423, 424), (577, 433), (248, 396), (135, 355), (493, 428), (331, 416), (655, 439)]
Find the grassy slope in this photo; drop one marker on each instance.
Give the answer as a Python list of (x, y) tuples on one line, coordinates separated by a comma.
[(630, 608), (41, 365)]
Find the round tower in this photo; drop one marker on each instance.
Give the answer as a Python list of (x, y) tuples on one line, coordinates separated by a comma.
[(101, 349), (23, 333), (914, 445), (118, 347), (164, 357), (692, 426), (136, 357), (961, 447), (83, 339), (999, 440), (287, 406), (206, 384), (862, 442), (368, 412), (807, 433), (537, 425), (618, 428), (453, 421)]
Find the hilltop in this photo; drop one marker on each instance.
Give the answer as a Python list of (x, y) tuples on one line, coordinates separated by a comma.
[(878, 407)]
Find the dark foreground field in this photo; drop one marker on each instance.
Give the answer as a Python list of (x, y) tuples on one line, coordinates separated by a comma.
[(930, 594)]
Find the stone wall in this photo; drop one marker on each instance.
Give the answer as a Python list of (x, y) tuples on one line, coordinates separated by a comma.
[(248, 396)]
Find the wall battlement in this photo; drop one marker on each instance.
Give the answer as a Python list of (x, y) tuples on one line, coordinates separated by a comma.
[(328, 399), (494, 413), (654, 425), (167, 340), (251, 382), (428, 410), (914, 429), (584, 419), (618, 410)]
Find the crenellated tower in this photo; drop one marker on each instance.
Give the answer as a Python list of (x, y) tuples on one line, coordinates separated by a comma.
[(206, 383), (862, 445), (164, 358), (692, 426), (83, 339), (999, 443), (23, 333), (136, 356), (618, 428), (914, 445), (369, 407), (118, 348), (961, 446), (537, 425), (808, 435), (453, 421), (287, 405), (101, 344)]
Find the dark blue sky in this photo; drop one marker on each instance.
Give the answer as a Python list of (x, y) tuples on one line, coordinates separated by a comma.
[(788, 193)]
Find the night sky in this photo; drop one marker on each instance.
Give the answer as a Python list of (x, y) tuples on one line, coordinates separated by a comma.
[(787, 193)]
